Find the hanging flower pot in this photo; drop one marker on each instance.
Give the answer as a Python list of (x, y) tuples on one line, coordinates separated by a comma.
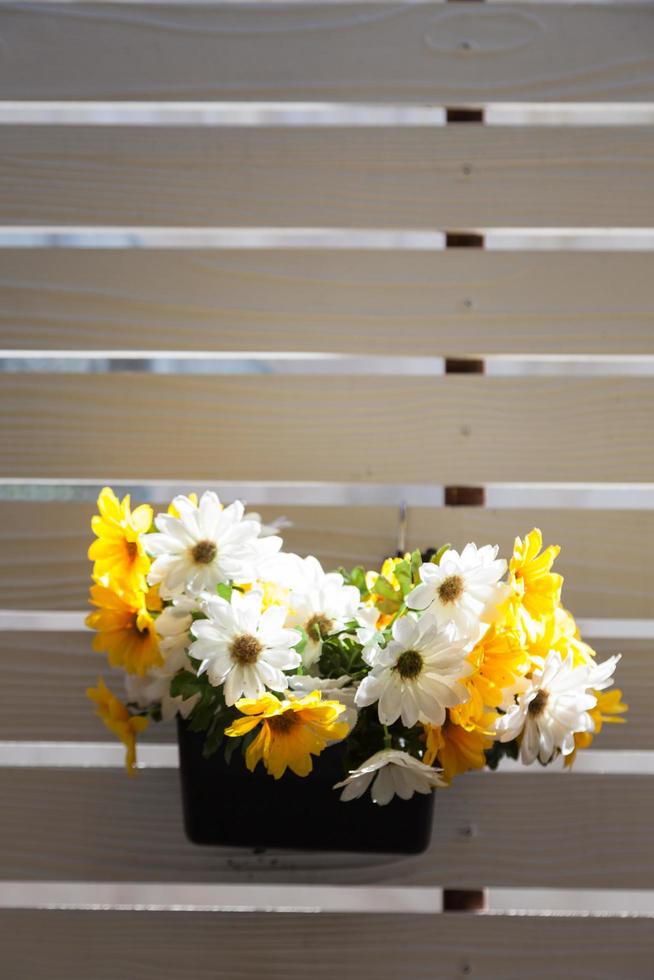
[(226, 805), (319, 710)]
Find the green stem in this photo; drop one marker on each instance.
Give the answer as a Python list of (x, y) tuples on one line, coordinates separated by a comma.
[(388, 739)]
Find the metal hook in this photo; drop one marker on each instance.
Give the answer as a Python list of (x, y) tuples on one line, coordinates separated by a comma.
[(402, 529)]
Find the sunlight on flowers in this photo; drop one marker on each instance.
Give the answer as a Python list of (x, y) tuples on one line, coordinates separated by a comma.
[(118, 720), (125, 629), (292, 731), (119, 557)]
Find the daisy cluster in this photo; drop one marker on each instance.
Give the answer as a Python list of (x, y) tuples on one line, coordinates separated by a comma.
[(438, 663)]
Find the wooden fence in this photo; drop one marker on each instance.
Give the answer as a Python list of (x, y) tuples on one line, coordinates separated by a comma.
[(129, 241)]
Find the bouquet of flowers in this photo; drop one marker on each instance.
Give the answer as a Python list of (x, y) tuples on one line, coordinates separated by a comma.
[(438, 663)]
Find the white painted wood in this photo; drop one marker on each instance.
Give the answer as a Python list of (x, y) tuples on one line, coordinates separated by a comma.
[(454, 429), (223, 898), (45, 567), (111, 755), (351, 302), (419, 52), (162, 945), (285, 899), (502, 830), (386, 177), (571, 901)]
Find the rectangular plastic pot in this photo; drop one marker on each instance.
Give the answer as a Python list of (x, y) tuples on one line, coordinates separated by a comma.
[(228, 806)]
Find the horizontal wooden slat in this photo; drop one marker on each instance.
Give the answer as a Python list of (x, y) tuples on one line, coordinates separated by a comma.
[(328, 51), (45, 566), (45, 676), (453, 429), (350, 301), (43, 691), (372, 947), (490, 829), (378, 177)]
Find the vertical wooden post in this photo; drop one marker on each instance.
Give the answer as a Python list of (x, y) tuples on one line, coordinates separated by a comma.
[(461, 900)]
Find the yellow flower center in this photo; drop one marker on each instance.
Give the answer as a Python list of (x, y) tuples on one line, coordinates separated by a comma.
[(282, 724), (318, 626), (450, 589), (204, 552), (537, 706), (245, 649), (409, 664)]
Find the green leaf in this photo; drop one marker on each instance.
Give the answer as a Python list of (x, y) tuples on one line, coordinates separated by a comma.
[(301, 644), (436, 560), (213, 740), (231, 744), (383, 588), (356, 577), (416, 562), (224, 591), (499, 750), (185, 685), (404, 575)]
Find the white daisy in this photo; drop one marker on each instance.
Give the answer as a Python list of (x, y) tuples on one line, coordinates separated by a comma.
[(279, 523), (154, 688), (332, 689), (174, 623), (321, 604), (204, 546), (366, 632), (554, 706), (462, 589), (416, 676), (273, 565), (601, 675), (244, 648), (394, 773)]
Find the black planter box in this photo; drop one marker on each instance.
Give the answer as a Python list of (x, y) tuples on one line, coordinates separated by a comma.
[(228, 806)]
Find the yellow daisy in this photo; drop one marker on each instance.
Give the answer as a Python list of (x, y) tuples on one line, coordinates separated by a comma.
[(119, 556), (560, 632), (125, 630), (609, 704), (499, 661), (459, 749), (291, 731), (536, 590), (118, 720)]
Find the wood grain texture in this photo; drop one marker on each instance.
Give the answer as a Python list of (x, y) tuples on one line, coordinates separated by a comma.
[(491, 829), (43, 690), (205, 945), (453, 429), (350, 301), (45, 566), (45, 676), (420, 52), (380, 177)]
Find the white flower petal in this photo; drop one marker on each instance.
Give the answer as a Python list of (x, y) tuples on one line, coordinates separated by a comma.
[(382, 791)]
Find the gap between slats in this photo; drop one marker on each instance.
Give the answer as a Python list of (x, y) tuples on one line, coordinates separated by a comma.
[(98, 755), (104, 896)]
